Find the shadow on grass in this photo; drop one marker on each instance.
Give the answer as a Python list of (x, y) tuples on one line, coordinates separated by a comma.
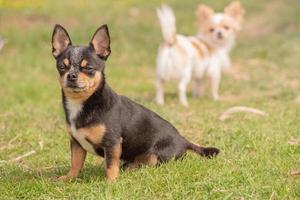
[(88, 173)]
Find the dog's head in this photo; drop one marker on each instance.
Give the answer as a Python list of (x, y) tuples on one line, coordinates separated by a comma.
[(219, 29), (80, 68)]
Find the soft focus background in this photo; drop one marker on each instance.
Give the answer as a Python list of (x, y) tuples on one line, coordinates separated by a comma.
[(259, 154)]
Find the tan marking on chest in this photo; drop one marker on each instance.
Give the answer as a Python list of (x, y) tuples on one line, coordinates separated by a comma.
[(93, 134)]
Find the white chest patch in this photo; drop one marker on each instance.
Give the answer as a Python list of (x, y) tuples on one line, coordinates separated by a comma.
[(74, 109)]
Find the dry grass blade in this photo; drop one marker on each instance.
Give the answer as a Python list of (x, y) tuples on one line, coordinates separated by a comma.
[(41, 144), (237, 109), (272, 196), (53, 167)]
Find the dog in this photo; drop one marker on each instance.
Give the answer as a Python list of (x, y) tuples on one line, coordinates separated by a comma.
[(101, 122), (187, 58)]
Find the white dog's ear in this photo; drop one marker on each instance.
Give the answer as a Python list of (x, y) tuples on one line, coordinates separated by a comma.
[(236, 11), (101, 42), (60, 40), (204, 13)]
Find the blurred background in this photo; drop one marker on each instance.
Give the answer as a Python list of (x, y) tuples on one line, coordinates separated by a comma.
[(266, 76), (269, 40)]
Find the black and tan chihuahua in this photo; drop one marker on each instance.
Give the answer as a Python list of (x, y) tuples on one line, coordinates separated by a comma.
[(101, 122)]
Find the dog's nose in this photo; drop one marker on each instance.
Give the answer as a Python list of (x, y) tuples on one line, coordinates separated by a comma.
[(220, 35), (72, 77)]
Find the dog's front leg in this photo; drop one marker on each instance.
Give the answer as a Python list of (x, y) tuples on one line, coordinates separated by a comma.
[(78, 155), (182, 92), (215, 82), (112, 161), (160, 92)]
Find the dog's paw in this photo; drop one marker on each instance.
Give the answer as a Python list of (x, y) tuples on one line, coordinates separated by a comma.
[(112, 174), (184, 104), (216, 97), (159, 101), (210, 152), (64, 178)]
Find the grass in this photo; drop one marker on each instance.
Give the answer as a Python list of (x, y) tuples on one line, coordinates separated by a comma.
[(256, 159)]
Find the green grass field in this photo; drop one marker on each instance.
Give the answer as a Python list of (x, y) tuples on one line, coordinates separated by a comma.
[(256, 159)]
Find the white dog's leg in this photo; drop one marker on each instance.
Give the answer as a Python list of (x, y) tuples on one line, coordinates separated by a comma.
[(184, 81), (160, 92), (182, 91), (215, 82)]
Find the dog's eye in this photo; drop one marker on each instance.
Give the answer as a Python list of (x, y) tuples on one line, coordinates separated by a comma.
[(211, 30), (64, 64), (61, 67), (87, 68), (226, 27)]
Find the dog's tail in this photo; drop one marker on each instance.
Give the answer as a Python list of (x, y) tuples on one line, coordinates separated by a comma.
[(168, 23), (203, 151)]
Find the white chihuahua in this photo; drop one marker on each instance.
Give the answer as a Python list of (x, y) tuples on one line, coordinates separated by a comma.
[(193, 58)]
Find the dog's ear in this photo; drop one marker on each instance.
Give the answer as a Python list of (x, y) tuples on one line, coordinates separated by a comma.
[(100, 42), (60, 40), (236, 11), (204, 13)]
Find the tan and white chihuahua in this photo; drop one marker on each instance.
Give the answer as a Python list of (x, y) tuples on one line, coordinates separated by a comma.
[(187, 58)]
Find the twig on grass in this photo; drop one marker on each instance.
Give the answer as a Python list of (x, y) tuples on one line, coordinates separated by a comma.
[(296, 173), (294, 141), (18, 158), (225, 115)]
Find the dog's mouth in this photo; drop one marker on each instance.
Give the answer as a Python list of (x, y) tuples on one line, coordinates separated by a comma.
[(221, 40), (75, 89), (74, 85), (80, 89)]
